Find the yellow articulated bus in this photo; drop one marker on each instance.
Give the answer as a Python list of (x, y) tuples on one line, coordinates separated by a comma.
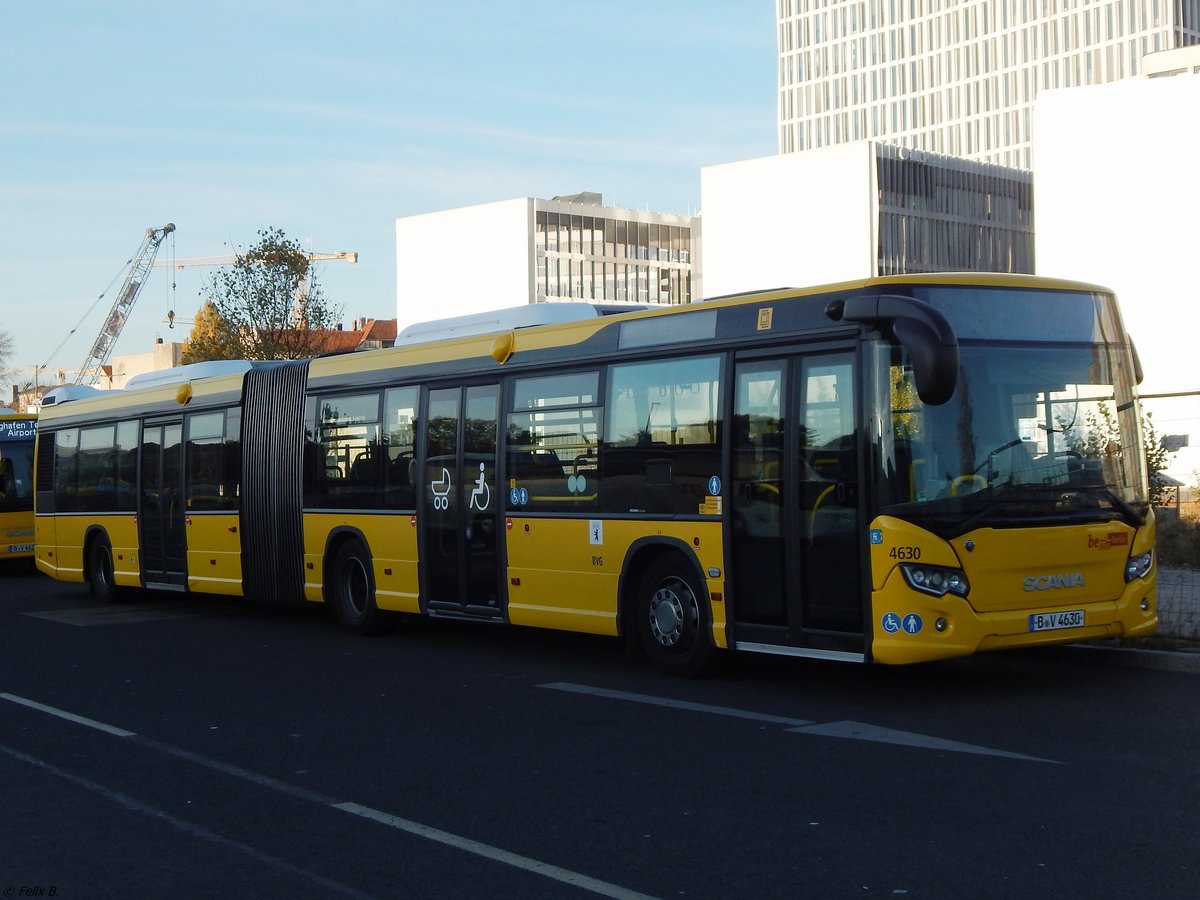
[(893, 470), (17, 434)]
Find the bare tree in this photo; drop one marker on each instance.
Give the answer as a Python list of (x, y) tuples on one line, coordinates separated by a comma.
[(6, 352)]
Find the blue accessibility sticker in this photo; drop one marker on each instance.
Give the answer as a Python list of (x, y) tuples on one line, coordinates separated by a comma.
[(876, 535), (890, 623), (913, 623)]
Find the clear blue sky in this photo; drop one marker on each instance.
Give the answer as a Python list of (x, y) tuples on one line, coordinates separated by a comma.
[(329, 121)]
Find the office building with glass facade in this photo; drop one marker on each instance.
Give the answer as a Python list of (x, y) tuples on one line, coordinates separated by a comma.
[(586, 251), (859, 210), (527, 250), (955, 77)]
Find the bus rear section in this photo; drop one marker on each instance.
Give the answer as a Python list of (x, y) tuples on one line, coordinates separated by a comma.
[(17, 435)]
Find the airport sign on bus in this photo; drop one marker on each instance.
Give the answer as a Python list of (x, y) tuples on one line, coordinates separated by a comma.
[(18, 429)]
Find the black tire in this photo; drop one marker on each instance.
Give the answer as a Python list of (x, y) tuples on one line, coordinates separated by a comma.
[(352, 591), (673, 620), (101, 575)]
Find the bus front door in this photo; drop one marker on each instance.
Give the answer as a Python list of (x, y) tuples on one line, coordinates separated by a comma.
[(160, 506), (460, 510), (796, 524)]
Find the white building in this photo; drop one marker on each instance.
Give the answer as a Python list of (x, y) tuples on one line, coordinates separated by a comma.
[(956, 77), (493, 255), (1116, 204), (122, 368), (859, 210)]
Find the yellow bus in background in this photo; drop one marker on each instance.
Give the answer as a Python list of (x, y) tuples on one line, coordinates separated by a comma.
[(892, 470), (18, 432)]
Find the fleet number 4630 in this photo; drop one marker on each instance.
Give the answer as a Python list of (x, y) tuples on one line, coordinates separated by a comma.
[(905, 553)]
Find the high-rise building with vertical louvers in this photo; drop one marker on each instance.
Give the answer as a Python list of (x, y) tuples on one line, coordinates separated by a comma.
[(955, 77)]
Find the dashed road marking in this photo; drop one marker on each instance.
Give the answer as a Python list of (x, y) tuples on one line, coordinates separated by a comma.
[(465, 844), (858, 731), (126, 613)]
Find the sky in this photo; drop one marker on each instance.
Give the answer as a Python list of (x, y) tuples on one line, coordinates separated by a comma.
[(330, 121)]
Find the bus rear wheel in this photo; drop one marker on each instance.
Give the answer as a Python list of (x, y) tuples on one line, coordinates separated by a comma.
[(673, 621), (101, 576), (352, 584)]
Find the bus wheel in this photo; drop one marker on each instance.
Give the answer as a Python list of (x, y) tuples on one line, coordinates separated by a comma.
[(352, 587), (101, 577), (672, 620)]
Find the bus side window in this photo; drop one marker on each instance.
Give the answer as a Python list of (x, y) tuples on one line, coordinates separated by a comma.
[(399, 429), (213, 460), (662, 435), (66, 475), (348, 449), (553, 432)]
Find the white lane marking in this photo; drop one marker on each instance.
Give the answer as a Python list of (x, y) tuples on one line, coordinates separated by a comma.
[(126, 613), (428, 832), (70, 717), (186, 827), (512, 859), (859, 731), (675, 704)]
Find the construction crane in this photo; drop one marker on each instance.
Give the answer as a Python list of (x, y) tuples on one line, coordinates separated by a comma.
[(230, 259), (139, 269)]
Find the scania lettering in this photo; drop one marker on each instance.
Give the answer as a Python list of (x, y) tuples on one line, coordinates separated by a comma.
[(1051, 582)]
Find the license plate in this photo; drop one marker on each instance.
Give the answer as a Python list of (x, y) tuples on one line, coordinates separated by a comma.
[(20, 548), (1052, 621)]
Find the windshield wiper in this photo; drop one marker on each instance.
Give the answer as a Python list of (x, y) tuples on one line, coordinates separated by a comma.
[(1051, 497), (1128, 513)]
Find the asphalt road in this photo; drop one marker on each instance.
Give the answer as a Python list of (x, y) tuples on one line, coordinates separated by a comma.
[(175, 746)]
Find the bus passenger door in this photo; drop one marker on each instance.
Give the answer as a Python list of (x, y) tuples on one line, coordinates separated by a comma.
[(459, 514), (160, 506), (796, 524)]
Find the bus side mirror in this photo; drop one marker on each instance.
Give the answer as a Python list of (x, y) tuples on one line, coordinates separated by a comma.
[(1138, 373), (923, 332)]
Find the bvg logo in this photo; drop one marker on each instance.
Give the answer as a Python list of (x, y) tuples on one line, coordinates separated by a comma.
[(1053, 582)]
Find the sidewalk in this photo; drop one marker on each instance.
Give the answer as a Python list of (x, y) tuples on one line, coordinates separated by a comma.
[(1176, 646)]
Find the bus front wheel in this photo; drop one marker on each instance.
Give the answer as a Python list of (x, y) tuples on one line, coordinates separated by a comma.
[(672, 620), (101, 576), (352, 583)]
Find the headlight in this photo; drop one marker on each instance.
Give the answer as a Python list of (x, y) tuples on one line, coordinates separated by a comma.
[(936, 580), (1138, 566)]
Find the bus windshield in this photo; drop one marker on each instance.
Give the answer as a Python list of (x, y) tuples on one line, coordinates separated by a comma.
[(1034, 434)]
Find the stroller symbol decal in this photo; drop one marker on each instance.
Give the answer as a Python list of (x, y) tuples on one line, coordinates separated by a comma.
[(441, 491)]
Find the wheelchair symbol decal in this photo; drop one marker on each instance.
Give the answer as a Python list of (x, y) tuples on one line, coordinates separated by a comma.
[(481, 497), (441, 491)]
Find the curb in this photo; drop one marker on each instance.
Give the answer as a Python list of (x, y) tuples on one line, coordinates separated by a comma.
[(1161, 660)]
